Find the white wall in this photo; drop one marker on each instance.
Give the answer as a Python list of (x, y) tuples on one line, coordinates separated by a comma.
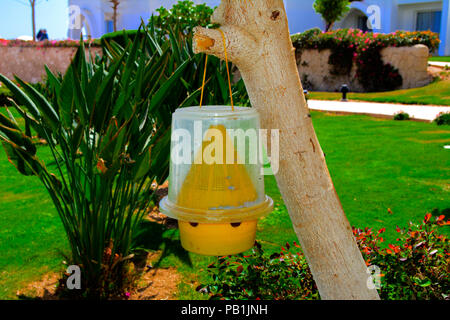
[(301, 14), (394, 14), (385, 9), (444, 49), (91, 11)]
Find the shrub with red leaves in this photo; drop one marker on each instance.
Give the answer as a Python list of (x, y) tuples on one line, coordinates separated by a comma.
[(416, 267), (352, 46)]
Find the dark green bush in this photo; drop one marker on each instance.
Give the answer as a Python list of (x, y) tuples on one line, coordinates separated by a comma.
[(443, 119), (401, 116), (120, 37), (185, 14), (258, 276), (331, 10)]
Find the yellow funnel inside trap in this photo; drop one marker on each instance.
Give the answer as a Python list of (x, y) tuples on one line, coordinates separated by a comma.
[(217, 204), (209, 186)]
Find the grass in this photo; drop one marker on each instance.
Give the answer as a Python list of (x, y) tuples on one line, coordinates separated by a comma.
[(31, 237), (440, 59), (375, 164), (436, 93)]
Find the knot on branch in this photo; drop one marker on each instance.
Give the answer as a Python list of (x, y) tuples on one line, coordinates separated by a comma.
[(240, 45)]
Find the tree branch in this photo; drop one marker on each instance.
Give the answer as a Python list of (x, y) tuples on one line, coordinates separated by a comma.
[(210, 41)]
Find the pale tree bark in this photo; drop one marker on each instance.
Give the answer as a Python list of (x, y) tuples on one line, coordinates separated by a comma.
[(33, 17), (115, 5), (258, 42)]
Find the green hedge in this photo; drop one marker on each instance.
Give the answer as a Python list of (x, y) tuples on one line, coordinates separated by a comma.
[(120, 37)]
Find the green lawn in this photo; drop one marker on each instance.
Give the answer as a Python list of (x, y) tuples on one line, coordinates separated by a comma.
[(31, 236), (440, 59), (375, 164), (436, 93)]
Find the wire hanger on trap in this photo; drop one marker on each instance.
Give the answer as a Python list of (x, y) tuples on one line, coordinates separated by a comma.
[(228, 72)]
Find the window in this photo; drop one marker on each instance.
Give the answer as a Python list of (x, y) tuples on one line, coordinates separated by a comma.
[(429, 21), (109, 26)]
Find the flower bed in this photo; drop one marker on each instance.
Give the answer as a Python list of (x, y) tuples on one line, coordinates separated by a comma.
[(415, 267), (351, 47)]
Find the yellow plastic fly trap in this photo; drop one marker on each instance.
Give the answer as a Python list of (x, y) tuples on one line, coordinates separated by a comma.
[(216, 187)]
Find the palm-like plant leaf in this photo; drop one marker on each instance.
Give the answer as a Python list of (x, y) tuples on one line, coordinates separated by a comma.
[(108, 128)]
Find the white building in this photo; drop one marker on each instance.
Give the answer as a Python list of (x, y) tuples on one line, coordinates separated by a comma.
[(378, 15)]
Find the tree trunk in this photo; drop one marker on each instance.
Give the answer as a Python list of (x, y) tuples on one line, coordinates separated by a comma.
[(258, 42), (33, 18), (115, 18), (115, 5), (329, 26)]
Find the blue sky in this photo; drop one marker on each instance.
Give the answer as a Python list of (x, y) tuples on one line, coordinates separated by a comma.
[(15, 18)]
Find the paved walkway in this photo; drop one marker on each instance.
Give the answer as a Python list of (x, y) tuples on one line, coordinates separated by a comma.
[(428, 113), (439, 64)]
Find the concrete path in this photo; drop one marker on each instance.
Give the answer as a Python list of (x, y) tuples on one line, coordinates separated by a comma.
[(427, 113), (439, 64)]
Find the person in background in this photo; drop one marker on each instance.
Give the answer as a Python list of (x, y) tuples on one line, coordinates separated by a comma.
[(42, 35), (39, 35)]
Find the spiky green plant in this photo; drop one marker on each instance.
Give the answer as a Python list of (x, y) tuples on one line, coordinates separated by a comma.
[(107, 124), (108, 130)]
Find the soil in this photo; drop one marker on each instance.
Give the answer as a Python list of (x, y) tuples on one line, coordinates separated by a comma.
[(157, 284), (43, 289), (439, 72), (155, 215), (154, 284)]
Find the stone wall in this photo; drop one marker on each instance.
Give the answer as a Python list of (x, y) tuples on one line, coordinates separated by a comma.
[(412, 63), (28, 62)]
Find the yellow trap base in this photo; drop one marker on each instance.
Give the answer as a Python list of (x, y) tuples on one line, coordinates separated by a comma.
[(218, 239)]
